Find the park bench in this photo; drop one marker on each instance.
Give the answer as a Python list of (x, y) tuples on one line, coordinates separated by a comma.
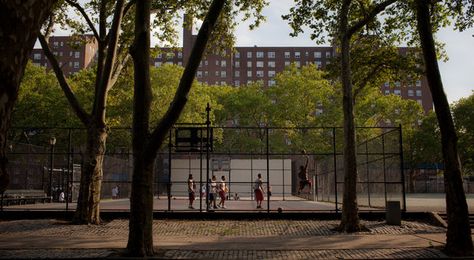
[(21, 197)]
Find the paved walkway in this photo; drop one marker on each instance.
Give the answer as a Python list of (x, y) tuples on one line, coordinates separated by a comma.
[(223, 239)]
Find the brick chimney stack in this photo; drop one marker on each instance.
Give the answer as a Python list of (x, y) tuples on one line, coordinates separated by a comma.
[(188, 37)]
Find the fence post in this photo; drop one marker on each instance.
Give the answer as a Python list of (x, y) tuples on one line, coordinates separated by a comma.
[(335, 165), (169, 169), (402, 168), (268, 169)]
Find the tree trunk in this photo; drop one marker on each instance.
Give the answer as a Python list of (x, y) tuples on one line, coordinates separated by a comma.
[(20, 22), (87, 211), (350, 218), (140, 237), (459, 240)]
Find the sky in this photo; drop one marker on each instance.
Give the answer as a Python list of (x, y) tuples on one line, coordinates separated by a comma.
[(457, 72)]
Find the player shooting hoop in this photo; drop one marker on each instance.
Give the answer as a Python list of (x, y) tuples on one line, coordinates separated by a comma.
[(303, 175)]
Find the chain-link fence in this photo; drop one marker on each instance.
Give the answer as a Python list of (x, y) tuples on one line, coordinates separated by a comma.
[(238, 154)]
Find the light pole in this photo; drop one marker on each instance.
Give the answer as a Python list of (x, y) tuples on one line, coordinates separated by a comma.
[(52, 142)]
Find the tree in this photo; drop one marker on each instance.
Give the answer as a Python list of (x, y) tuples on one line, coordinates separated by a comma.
[(342, 20), (464, 121), (20, 25), (108, 69), (459, 240), (146, 144)]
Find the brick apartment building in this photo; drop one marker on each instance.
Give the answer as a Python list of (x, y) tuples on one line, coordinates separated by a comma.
[(245, 65), (73, 54)]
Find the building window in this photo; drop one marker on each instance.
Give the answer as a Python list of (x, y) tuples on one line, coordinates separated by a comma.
[(249, 64), (217, 73), (249, 54), (199, 74), (260, 74), (237, 73), (287, 54), (418, 93), (259, 54), (169, 62), (60, 53), (206, 62), (55, 53), (418, 83), (217, 63), (77, 54), (200, 64), (420, 102), (62, 44), (318, 64), (387, 92), (297, 54), (223, 83), (397, 92), (386, 84), (317, 54), (237, 83), (259, 64), (37, 56), (410, 93), (56, 44), (271, 83), (76, 64), (298, 64), (237, 64), (287, 63), (237, 55), (160, 55), (223, 63), (169, 55), (180, 55), (249, 73), (397, 84), (157, 63), (328, 54), (206, 73), (271, 73), (271, 64), (271, 54), (223, 74), (70, 54)]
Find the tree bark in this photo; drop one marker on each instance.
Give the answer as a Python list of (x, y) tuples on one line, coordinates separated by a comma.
[(146, 145), (20, 23), (88, 211), (140, 237), (459, 240), (350, 218)]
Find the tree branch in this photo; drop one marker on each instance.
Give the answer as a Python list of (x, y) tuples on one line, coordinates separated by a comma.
[(76, 106), (118, 70), (86, 17), (181, 96), (128, 6), (104, 81), (370, 16)]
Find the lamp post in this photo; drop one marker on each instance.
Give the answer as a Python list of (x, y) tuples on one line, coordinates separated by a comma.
[(52, 142)]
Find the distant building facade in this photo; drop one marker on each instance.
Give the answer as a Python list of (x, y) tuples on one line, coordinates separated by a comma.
[(245, 65), (73, 54)]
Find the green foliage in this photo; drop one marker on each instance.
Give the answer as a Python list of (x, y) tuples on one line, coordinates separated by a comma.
[(463, 113)]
